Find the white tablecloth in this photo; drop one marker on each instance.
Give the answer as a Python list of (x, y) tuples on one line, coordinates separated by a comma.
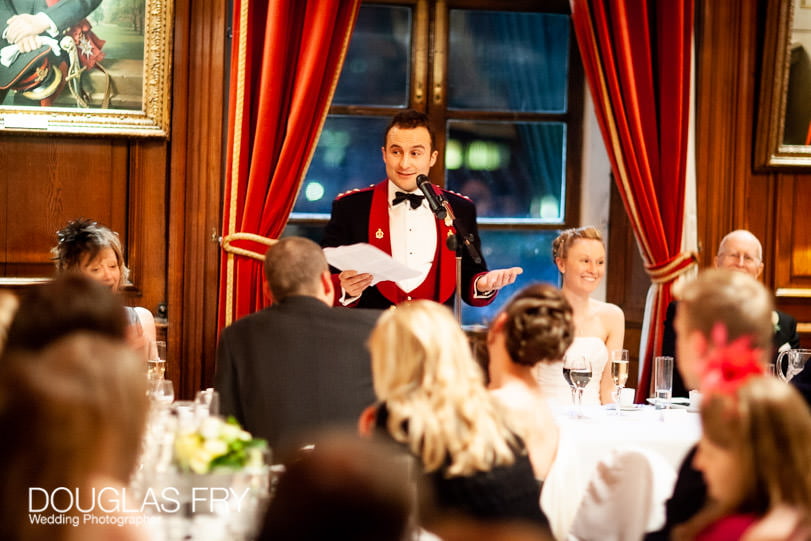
[(584, 442)]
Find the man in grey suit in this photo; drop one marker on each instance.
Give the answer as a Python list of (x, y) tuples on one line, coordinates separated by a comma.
[(299, 365)]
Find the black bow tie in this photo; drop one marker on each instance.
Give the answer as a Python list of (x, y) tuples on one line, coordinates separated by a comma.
[(399, 197)]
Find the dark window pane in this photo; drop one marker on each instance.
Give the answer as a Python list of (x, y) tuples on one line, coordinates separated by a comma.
[(347, 156), (511, 170), (377, 65), (531, 250), (503, 61), (314, 232)]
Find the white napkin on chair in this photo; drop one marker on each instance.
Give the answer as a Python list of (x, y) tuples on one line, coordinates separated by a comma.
[(625, 497)]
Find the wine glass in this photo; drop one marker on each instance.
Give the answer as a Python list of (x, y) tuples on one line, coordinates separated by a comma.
[(567, 369), (163, 393), (619, 372), (581, 375)]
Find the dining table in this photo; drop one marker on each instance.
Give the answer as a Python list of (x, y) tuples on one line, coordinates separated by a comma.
[(601, 431)]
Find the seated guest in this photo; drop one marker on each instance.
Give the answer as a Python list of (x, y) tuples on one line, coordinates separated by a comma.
[(744, 307), (535, 326), (579, 254), (301, 364), (94, 250), (754, 454), (69, 303), (434, 404), (345, 488), (738, 251), (73, 415)]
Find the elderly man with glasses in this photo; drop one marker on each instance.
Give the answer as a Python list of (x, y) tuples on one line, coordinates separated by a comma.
[(739, 251)]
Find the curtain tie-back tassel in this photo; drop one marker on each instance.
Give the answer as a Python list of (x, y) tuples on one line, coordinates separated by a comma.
[(670, 269), (226, 243)]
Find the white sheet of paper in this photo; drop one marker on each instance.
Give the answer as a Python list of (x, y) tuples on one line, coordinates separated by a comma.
[(364, 257)]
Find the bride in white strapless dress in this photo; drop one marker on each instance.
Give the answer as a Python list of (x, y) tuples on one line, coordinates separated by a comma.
[(550, 375), (599, 326)]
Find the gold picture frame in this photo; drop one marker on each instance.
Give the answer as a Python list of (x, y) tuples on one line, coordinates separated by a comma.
[(784, 112), (132, 115)]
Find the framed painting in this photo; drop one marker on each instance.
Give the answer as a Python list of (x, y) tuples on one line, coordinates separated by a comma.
[(783, 135), (92, 67)]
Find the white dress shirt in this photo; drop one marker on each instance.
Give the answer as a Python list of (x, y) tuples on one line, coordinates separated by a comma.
[(412, 232)]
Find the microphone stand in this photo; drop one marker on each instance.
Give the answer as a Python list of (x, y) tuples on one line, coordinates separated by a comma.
[(455, 242)]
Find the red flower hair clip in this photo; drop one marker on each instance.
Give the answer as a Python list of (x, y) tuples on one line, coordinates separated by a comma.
[(730, 365)]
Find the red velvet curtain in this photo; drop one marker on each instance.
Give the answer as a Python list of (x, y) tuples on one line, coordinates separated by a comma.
[(637, 58), (285, 63)]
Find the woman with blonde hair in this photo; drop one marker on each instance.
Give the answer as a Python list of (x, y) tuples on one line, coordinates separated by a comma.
[(535, 326), (579, 254), (433, 402), (89, 248), (754, 454)]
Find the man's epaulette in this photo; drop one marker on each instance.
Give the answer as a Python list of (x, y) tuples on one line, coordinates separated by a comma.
[(463, 196), (354, 190)]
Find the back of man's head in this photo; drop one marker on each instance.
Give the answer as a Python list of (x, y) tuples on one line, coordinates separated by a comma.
[(293, 266), (736, 300)]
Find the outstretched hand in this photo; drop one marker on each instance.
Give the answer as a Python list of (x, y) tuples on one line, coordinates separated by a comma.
[(497, 278)]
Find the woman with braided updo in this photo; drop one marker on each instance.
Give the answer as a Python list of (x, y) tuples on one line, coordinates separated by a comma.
[(536, 326), (579, 254), (89, 248)]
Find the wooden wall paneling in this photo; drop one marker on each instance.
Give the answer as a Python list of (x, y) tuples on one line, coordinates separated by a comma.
[(627, 282), (49, 180), (726, 62), (793, 250), (794, 242), (147, 229), (4, 184), (195, 189)]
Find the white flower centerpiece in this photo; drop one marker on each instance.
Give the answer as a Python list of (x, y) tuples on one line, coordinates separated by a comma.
[(217, 482), (219, 446)]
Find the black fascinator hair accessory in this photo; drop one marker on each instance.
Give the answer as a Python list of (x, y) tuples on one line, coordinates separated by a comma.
[(76, 232), (77, 238)]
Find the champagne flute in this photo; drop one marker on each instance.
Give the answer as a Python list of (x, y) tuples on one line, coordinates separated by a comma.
[(619, 372), (155, 369), (581, 375), (156, 364)]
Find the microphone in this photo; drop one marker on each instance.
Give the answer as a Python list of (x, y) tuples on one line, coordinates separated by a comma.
[(434, 200)]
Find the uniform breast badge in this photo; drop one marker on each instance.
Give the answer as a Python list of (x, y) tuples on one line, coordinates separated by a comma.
[(379, 234)]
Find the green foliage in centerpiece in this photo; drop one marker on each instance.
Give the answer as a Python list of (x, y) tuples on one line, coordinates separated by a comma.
[(218, 446)]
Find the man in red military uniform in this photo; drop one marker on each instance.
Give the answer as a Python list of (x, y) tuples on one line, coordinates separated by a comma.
[(394, 217)]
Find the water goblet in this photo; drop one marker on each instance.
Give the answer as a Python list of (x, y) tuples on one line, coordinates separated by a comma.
[(568, 361), (581, 375), (619, 372), (163, 393)]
